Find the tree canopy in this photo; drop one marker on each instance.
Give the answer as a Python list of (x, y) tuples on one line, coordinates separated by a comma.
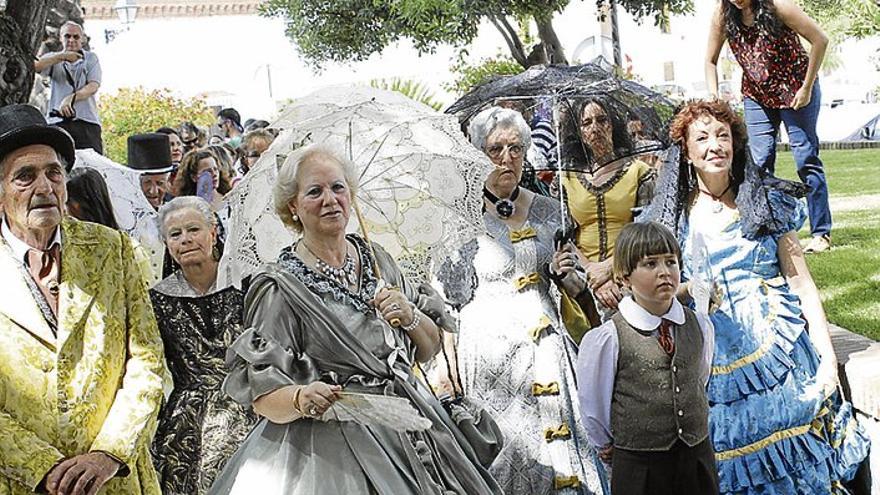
[(846, 18), (352, 30)]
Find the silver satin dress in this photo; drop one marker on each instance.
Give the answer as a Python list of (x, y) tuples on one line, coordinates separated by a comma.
[(301, 327)]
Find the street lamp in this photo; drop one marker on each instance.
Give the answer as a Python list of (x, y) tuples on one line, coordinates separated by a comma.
[(126, 10)]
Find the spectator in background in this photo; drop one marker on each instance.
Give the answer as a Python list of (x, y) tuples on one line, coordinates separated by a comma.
[(779, 85), (177, 147), (88, 198), (75, 76), (175, 143), (254, 124), (229, 122), (193, 136), (225, 160), (199, 175), (150, 154), (253, 145)]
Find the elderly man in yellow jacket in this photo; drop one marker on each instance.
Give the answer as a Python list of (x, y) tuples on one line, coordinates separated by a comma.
[(81, 361)]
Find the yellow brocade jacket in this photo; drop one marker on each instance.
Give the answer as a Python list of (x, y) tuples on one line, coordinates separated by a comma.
[(97, 386)]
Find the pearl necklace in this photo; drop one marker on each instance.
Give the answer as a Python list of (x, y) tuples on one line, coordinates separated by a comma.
[(344, 275)]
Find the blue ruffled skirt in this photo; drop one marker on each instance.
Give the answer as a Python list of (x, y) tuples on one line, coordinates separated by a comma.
[(774, 430)]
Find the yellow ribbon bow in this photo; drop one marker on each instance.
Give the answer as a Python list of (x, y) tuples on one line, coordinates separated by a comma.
[(551, 388), (561, 482), (522, 282), (543, 324), (522, 234), (561, 433)]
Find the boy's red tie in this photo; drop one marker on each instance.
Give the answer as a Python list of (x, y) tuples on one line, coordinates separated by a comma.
[(666, 337)]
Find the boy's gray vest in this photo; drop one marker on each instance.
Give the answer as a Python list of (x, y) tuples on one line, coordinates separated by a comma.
[(659, 399)]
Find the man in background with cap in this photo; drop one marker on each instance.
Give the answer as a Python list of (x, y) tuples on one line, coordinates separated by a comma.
[(75, 76), (81, 360), (229, 122), (150, 155)]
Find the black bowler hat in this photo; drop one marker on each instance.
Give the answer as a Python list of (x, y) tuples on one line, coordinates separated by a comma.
[(150, 153), (24, 125)]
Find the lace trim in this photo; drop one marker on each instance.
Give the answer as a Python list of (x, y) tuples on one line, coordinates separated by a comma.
[(320, 284), (608, 184)]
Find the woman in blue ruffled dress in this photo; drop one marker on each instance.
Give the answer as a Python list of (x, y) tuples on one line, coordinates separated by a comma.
[(778, 422)]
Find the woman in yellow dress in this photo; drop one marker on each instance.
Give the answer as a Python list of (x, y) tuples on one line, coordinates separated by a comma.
[(602, 190)]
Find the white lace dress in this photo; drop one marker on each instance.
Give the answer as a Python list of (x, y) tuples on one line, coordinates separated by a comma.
[(515, 360)]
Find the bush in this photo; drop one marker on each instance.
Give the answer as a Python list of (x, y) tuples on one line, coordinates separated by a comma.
[(469, 76), (136, 110)]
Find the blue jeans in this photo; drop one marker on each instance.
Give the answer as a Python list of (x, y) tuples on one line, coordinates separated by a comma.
[(763, 126)]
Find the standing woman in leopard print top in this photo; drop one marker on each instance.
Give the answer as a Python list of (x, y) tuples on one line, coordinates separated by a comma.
[(779, 86)]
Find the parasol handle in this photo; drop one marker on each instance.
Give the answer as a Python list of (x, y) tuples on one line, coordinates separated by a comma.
[(395, 322)]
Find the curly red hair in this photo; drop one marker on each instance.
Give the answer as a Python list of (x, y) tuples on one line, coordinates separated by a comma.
[(718, 109)]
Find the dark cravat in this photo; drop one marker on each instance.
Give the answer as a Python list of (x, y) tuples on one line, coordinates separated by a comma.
[(43, 267), (666, 337)]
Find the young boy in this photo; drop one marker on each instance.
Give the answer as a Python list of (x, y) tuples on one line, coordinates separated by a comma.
[(642, 376)]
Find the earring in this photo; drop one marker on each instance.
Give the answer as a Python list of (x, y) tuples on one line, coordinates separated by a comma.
[(295, 217), (215, 252)]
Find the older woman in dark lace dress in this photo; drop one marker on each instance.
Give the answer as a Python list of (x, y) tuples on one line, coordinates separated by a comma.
[(199, 427)]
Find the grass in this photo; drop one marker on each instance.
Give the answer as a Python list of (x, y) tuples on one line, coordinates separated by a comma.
[(848, 276)]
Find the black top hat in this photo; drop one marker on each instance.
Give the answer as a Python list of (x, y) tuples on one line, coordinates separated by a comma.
[(150, 153), (24, 125)]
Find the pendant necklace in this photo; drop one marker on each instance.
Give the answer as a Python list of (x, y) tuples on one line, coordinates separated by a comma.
[(719, 205), (504, 207), (344, 275)]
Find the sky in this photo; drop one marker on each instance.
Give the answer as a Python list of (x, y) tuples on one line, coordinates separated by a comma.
[(231, 58)]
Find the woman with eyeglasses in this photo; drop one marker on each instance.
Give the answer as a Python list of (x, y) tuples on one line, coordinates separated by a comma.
[(603, 190), (514, 358)]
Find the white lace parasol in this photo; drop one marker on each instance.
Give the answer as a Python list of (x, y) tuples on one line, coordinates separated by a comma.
[(420, 187), (134, 214)]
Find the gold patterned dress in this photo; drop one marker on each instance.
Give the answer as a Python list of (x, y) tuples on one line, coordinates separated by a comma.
[(200, 427)]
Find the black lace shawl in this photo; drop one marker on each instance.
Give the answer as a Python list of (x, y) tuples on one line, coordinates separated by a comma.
[(758, 214)]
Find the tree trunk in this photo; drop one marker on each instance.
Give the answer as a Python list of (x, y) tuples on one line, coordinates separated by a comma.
[(511, 38), (552, 45), (21, 31)]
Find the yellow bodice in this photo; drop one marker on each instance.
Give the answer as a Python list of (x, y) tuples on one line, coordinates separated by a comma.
[(601, 212)]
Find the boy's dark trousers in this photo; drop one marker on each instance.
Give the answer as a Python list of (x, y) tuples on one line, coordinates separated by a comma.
[(681, 470)]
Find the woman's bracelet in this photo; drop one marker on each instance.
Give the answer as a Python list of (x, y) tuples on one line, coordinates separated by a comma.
[(296, 405), (417, 318)]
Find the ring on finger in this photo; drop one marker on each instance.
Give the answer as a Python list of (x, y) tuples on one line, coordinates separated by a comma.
[(313, 411), (395, 306)]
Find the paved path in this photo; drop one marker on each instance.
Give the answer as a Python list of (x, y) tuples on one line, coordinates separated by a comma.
[(842, 204), (858, 359)]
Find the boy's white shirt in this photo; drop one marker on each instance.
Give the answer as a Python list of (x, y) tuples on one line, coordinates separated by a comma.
[(597, 363)]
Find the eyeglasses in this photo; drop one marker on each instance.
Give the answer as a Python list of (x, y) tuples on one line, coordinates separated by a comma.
[(497, 151)]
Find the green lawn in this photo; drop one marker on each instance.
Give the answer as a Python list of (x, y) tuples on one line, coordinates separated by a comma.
[(849, 276)]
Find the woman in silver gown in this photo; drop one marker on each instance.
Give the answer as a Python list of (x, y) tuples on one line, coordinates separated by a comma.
[(318, 328), (515, 359)]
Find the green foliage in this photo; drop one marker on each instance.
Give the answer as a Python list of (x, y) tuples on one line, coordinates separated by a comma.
[(659, 9), (352, 30), (412, 89), (843, 19), (136, 110), (469, 76)]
